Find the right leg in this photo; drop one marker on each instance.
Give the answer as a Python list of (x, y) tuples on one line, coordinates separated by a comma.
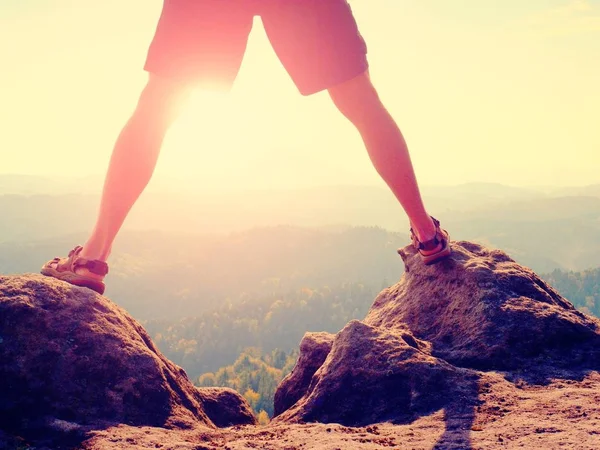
[(196, 42), (131, 166), (133, 160)]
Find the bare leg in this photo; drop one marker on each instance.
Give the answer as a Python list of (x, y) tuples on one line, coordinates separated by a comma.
[(132, 163), (358, 100)]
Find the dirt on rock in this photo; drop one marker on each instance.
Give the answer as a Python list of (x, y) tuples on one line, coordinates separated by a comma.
[(564, 414)]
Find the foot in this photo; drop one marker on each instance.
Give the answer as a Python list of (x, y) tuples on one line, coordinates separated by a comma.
[(78, 270), (435, 246), (425, 234)]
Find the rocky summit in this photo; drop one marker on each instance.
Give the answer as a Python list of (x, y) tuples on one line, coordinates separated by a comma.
[(428, 341), (474, 352), (72, 361)]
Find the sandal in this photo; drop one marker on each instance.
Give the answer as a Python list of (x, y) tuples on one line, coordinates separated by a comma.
[(64, 269), (441, 240)]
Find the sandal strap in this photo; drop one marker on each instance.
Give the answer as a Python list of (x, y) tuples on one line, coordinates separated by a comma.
[(74, 260), (93, 265), (431, 244)]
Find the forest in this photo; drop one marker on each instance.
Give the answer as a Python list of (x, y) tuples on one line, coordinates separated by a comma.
[(252, 344), (242, 276), (581, 288), (254, 375), (216, 338)]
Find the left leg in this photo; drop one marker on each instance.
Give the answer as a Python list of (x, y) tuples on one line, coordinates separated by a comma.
[(320, 45), (358, 100)]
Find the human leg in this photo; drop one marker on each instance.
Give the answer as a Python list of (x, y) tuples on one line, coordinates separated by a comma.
[(131, 166), (197, 42), (359, 101), (321, 47), (133, 160)]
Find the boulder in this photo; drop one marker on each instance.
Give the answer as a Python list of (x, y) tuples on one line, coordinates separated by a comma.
[(314, 348), (226, 407), (72, 361), (424, 340), (373, 375), (483, 310)]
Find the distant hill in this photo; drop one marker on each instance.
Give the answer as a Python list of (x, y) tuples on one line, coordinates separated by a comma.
[(581, 288), (536, 210), (18, 184), (204, 342), (180, 253), (544, 234), (482, 193), (590, 190), (42, 215), (162, 275)]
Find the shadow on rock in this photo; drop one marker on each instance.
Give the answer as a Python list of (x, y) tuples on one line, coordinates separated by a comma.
[(372, 375), (459, 415)]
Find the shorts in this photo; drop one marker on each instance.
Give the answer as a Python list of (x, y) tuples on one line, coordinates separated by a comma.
[(204, 41)]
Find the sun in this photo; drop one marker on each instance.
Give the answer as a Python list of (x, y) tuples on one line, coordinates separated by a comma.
[(207, 121), (216, 132)]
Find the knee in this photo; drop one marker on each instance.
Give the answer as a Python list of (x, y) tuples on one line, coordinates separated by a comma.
[(358, 100), (161, 100)]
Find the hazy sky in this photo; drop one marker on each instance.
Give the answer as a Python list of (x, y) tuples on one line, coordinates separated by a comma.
[(483, 91)]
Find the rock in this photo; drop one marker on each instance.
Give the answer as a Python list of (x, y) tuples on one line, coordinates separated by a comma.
[(225, 407), (314, 348), (76, 367), (481, 309), (71, 361), (373, 375), (10, 442), (422, 342)]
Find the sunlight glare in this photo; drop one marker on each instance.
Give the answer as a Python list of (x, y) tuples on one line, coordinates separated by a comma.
[(216, 127)]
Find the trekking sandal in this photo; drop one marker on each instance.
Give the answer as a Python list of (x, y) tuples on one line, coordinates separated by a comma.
[(441, 240), (64, 269)]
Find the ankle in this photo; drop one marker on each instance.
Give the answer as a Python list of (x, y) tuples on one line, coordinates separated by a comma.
[(95, 252), (425, 231)]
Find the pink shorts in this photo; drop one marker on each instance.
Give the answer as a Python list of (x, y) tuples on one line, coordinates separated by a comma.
[(317, 41)]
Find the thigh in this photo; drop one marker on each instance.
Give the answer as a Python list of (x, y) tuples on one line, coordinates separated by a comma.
[(200, 41), (317, 41)]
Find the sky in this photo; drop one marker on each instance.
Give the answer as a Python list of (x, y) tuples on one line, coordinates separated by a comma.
[(484, 91)]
